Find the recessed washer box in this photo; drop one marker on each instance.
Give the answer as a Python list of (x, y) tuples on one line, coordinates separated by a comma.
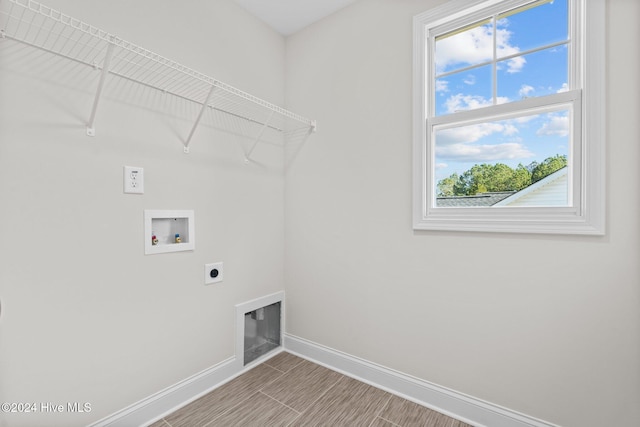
[(168, 231)]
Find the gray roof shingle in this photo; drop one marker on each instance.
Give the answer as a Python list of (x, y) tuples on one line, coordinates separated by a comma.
[(478, 200)]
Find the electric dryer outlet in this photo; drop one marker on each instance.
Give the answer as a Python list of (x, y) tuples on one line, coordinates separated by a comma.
[(213, 273)]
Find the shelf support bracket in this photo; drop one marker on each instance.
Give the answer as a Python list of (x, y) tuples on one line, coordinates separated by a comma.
[(247, 154), (195, 125), (91, 131)]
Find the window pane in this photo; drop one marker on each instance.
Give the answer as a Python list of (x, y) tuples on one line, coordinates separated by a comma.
[(497, 163), (466, 90), (524, 28), (470, 45), (537, 74)]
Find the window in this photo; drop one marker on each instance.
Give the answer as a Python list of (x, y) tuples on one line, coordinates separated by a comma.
[(509, 116)]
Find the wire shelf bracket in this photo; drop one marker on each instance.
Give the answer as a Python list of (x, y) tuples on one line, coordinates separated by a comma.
[(195, 125), (41, 27), (91, 131), (247, 154)]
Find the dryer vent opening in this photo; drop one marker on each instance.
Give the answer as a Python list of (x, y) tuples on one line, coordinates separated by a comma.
[(261, 331)]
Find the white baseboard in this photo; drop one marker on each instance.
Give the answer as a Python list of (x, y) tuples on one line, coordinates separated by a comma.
[(454, 404), (155, 407), (178, 395), (449, 402), (158, 405)]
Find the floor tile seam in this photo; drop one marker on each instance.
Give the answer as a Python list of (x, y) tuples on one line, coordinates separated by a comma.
[(300, 362), (290, 368), (260, 387), (382, 408), (273, 367), (324, 392), (268, 383), (384, 419), (294, 420), (280, 370), (303, 378), (242, 402), (312, 403), (167, 422), (376, 415), (298, 413)]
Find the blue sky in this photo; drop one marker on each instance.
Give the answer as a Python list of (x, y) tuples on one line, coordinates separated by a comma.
[(543, 72)]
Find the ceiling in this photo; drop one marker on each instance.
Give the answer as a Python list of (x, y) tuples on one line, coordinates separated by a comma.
[(289, 16)]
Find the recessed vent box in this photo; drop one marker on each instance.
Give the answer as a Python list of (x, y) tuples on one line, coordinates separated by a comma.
[(259, 331)]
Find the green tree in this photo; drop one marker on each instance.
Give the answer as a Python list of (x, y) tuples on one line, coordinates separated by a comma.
[(520, 179), (500, 178), (445, 185), (485, 177), (547, 167)]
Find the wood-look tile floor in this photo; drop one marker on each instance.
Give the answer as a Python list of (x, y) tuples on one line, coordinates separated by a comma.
[(287, 390)]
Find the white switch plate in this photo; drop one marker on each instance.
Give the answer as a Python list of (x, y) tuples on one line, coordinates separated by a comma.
[(213, 273), (133, 180)]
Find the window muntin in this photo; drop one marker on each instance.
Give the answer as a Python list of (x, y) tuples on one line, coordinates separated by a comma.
[(502, 44), (537, 80), (488, 156), (582, 41), (480, 66), (465, 47), (459, 92), (550, 15)]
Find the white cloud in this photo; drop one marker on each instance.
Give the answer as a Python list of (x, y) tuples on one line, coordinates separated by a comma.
[(473, 133), (483, 153), (509, 130), (469, 47), (476, 45), (442, 85), (464, 144), (564, 88), (441, 165), (470, 79), (525, 90), (515, 65), (556, 126), (525, 119), (462, 102)]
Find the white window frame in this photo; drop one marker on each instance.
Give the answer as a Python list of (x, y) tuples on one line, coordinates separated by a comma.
[(585, 99)]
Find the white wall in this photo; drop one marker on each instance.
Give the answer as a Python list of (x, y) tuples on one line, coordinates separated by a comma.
[(548, 326), (545, 325), (86, 316)]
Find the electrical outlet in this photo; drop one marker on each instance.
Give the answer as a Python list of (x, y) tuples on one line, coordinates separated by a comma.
[(133, 180), (213, 273)]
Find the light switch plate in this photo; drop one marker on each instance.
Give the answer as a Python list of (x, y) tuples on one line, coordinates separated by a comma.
[(133, 180)]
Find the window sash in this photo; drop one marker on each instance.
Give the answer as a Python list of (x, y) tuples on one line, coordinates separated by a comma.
[(586, 96), (571, 101), (504, 111), (498, 9)]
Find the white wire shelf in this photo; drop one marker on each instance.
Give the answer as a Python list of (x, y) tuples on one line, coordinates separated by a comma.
[(42, 27)]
